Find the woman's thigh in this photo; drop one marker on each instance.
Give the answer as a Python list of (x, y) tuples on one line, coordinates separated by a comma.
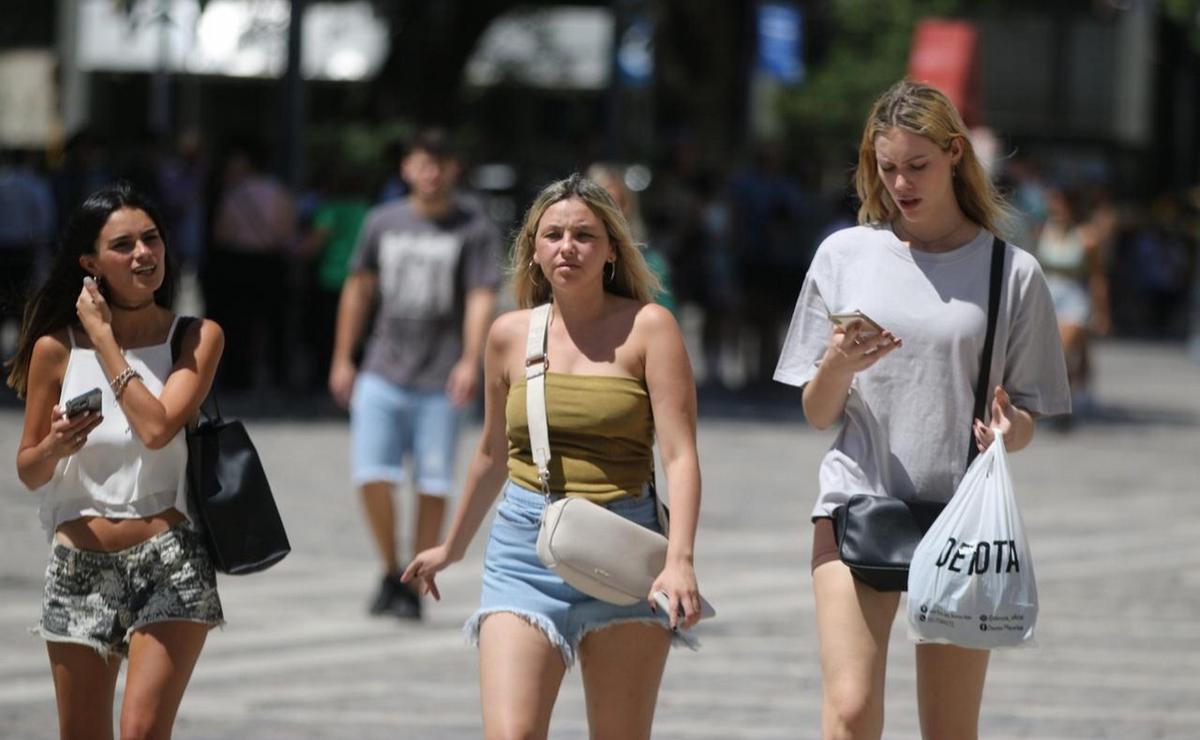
[(854, 623), (162, 656), (622, 669), (520, 672), (950, 690), (84, 685)]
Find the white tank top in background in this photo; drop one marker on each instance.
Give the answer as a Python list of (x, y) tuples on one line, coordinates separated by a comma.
[(115, 475), (1061, 251)]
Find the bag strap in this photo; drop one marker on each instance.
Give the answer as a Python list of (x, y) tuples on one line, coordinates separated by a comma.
[(182, 324), (536, 364), (985, 366)]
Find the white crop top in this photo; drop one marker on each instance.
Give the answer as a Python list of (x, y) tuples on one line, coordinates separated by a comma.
[(114, 475)]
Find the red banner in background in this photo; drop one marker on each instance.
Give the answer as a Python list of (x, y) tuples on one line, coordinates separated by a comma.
[(945, 55)]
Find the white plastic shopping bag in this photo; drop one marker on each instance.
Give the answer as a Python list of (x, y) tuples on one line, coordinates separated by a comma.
[(971, 580)]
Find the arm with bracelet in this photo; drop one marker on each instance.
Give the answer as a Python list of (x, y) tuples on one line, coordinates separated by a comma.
[(154, 419)]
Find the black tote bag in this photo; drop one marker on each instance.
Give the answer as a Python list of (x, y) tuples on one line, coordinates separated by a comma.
[(229, 492)]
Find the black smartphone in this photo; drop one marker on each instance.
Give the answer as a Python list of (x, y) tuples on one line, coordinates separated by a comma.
[(86, 401)]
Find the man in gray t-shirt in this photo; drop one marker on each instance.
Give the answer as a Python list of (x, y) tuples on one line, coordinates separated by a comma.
[(428, 267)]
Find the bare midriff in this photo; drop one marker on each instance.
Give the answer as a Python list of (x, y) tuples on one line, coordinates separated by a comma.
[(110, 535)]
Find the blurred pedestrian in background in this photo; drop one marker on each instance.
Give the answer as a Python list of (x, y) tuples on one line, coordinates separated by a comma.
[(617, 378), (919, 265), (128, 575), (84, 169), (27, 222), (183, 183), (773, 224), (427, 266), (246, 272), (1157, 268), (1071, 252), (329, 245), (610, 178)]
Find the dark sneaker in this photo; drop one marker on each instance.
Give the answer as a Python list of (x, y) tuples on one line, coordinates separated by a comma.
[(396, 598), (407, 604)]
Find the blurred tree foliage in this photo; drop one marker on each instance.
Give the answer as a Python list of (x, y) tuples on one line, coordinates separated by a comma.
[(1185, 13), (866, 45)]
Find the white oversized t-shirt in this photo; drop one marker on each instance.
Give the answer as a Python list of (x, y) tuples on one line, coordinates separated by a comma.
[(907, 424)]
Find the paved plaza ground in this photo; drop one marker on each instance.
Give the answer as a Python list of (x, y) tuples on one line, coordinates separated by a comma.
[(1113, 510)]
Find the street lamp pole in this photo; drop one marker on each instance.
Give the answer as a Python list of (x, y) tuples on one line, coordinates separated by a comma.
[(293, 101)]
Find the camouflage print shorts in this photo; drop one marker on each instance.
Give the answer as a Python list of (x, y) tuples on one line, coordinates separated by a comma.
[(100, 598)]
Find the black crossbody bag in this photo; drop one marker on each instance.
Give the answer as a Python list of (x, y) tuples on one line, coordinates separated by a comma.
[(228, 489), (877, 535)]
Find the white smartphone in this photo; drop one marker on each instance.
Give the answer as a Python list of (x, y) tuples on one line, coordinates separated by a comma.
[(869, 327), (664, 605)]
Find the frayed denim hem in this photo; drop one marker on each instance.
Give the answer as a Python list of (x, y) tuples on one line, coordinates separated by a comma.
[(542, 623), (679, 638), (103, 650), (212, 624)]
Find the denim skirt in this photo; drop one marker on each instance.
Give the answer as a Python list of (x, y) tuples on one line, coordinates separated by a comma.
[(515, 581)]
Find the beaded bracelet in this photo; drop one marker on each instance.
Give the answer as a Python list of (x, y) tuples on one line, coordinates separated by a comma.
[(122, 379)]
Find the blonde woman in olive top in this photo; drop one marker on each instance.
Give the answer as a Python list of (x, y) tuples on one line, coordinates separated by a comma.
[(618, 377)]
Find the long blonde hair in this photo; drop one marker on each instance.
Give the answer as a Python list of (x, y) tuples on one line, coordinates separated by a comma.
[(631, 277), (925, 111)]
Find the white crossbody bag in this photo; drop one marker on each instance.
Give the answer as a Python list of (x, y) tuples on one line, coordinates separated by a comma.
[(597, 551)]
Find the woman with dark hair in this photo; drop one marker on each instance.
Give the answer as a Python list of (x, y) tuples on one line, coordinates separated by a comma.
[(128, 575)]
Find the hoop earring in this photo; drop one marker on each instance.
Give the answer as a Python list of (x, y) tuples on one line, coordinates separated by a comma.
[(613, 274)]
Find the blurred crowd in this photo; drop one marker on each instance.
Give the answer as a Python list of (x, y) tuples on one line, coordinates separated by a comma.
[(268, 261)]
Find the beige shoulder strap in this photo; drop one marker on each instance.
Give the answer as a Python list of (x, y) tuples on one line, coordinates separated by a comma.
[(536, 363)]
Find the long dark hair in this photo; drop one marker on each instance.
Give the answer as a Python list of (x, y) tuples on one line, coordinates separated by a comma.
[(51, 307)]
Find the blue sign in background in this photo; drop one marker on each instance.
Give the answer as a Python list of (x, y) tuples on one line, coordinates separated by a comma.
[(781, 42), (635, 54)]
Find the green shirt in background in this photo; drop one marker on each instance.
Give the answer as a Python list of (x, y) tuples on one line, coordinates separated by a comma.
[(662, 269), (342, 219)]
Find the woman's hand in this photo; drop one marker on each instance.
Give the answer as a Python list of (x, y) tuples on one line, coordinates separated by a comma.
[(1002, 421), (92, 309), (425, 566), (68, 434), (852, 351), (1015, 423), (678, 582)]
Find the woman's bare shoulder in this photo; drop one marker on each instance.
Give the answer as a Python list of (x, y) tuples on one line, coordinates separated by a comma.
[(654, 319), (509, 327), (52, 348)]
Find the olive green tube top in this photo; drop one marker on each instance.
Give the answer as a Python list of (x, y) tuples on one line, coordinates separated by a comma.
[(601, 436)]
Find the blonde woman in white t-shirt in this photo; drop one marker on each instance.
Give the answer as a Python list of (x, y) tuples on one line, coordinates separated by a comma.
[(128, 576), (902, 399)]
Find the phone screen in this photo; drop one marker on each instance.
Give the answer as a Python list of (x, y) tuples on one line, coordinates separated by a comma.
[(87, 401)]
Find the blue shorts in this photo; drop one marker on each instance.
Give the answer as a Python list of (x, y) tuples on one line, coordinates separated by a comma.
[(1072, 304), (515, 581), (389, 424)]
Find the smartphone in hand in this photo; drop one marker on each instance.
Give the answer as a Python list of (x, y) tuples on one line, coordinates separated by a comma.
[(86, 401), (664, 605), (867, 326)]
